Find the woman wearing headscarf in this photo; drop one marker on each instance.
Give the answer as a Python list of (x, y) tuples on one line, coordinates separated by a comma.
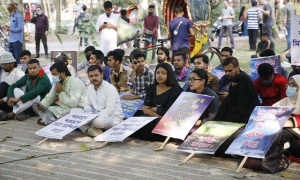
[(237, 106)]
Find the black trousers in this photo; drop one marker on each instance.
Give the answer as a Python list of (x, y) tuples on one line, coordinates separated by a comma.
[(287, 135), (253, 34), (3, 93), (260, 31), (38, 38)]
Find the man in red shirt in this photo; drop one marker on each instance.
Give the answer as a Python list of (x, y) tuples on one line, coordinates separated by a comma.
[(270, 86)]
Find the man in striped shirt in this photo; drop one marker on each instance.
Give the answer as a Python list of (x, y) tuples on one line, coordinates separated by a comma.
[(253, 16)]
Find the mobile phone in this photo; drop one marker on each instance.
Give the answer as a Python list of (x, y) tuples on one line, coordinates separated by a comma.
[(105, 22)]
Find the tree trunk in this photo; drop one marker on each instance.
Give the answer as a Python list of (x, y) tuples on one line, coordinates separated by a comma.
[(58, 14), (49, 10)]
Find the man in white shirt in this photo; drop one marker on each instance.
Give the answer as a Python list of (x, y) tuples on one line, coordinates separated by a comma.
[(107, 24), (102, 98), (10, 75)]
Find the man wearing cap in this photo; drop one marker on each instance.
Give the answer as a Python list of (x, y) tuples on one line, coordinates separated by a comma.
[(10, 75), (37, 85), (64, 58)]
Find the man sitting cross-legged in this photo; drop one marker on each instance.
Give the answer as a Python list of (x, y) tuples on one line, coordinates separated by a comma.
[(102, 98), (70, 91), (37, 85)]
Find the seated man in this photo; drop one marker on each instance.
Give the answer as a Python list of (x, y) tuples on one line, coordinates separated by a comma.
[(9, 75), (231, 67), (140, 77), (269, 52), (86, 63), (296, 70), (37, 85), (226, 52), (25, 56), (201, 62), (70, 91), (119, 73), (182, 73), (97, 58), (102, 98), (270, 86), (163, 56), (64, 58), (265, 43)]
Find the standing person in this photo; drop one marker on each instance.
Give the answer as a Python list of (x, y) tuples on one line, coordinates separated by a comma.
[(76, 11), (227, 16), (267, 18), (33, 8), (41, 31), (81, 20), (253, 17), (27, 13), (15, 29), (107, 24), (150, 28), (179, 29), (288, 11)]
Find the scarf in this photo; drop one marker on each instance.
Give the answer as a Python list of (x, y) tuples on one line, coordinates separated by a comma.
[(182, 74)]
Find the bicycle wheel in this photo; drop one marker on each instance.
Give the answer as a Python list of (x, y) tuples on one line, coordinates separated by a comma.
[(213, 56), (5, 44)]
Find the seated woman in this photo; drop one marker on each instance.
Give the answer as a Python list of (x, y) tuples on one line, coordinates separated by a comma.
[(237, 106), (198, 84), (159, 98)]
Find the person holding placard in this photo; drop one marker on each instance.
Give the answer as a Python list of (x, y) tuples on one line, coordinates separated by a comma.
[(201, 62), (270, 86), (37, 85), (198, 84), (102, 98), (237, 106), (70, 91), (182, 73)]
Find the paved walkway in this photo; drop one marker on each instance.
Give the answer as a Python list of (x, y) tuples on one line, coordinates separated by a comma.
[(133, 159)]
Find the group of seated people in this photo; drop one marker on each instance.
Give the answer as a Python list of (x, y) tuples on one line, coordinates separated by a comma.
[(29, 92)]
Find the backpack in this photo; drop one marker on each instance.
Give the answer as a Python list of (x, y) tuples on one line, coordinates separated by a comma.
[(80, 17)]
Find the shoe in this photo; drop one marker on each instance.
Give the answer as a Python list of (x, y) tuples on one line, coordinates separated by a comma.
[(22, 116), (94, 131), (36, 56), (47, 56), (41, 122), (4, 117)]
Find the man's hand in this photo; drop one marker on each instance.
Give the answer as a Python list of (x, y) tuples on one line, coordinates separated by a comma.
[(154, 109), (127, 97), (109, 25), (58, 88), (222, 95), (46, 33), (12, 101), (40, 107), (1, 101)]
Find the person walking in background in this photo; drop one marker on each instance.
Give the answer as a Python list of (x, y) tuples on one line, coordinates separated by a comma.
[(27, 32), (41, 31), (253, 17), (227, 16), (76, 10), (83, 18), (287, 12), (267, 18)]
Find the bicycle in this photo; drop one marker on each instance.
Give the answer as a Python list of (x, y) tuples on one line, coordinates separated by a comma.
[(3, 39)]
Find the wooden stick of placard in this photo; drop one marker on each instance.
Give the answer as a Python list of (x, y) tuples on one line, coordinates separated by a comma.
[(186, 159), (42, 141), (164, 144), (242, 164)]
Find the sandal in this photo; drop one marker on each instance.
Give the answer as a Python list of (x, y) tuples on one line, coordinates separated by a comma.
[(41, 122), (284, 164)]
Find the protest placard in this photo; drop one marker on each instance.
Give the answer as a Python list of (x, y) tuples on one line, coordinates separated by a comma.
[(47, 71), (295, 40), (182, 115), (129, 107), (218, 73), (273, 60), (264, 125), (121, 131), (65, 125)]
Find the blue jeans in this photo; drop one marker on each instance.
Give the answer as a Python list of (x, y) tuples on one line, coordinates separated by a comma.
[(15, 48), (288, 37)]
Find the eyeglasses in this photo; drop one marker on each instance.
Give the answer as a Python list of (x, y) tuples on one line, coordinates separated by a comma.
[(292, 85), (192, 80)]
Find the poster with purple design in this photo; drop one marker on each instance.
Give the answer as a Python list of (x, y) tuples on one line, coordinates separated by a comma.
[(182, 115), (264, 125)]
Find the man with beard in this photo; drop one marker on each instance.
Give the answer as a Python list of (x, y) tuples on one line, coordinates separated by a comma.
[(182, 73), (102, 98), (37, 85), (151, 28), (163, 56), (41, 31), (140, 77), (10, 75), (107, 24)]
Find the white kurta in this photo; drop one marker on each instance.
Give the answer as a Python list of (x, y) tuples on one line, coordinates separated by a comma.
[(108, 37), (12, 77)]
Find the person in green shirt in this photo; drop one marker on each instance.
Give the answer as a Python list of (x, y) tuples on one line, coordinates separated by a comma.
[(265, 43), (37, 85)]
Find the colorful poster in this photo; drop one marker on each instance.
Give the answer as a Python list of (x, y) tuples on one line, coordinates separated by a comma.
[(273, 60), (65, 125), (46, 69), (121, 131), (264, 125), (295, 40), (129, 107), (209, 137), (218, 73), (182, 115)]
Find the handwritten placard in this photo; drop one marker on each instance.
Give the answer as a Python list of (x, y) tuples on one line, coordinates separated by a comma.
[(295, 40), (209, 137), (182, 115), (218, 73), (264, 125), (65, 125), (121, 131), (129, 107), (273, 60)]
